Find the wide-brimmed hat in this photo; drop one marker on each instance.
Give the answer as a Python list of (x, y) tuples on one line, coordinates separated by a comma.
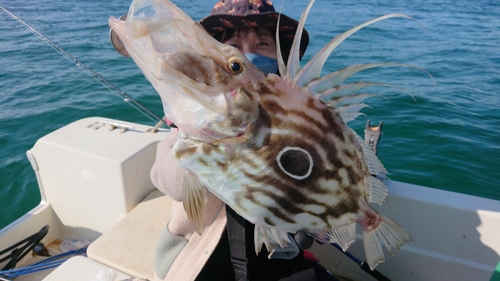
[(231, 14)]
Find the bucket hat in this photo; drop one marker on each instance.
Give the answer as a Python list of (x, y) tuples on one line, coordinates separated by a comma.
[(232, 14)]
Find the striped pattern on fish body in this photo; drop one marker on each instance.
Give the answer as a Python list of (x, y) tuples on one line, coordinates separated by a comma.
[(275, 149), (304, 171)]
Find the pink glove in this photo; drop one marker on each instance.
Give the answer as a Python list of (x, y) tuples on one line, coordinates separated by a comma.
[(165, 174)]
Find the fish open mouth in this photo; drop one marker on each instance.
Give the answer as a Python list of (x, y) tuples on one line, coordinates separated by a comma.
[(203, 84)]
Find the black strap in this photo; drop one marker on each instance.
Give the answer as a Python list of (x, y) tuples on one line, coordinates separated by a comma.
[(237, 246), (18, 253)]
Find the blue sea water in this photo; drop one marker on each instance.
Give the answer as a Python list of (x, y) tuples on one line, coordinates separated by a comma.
[(446, 136)]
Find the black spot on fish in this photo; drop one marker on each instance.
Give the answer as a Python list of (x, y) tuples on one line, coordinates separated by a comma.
[(295, 162)]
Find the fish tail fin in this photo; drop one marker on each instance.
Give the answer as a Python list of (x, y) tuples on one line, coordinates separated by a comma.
[(388, 231)]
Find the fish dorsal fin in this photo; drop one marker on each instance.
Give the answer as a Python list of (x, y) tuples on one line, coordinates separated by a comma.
[(312, 70), (375, 167), (293, 63), (194, 200), (377, 190), (347, 101), (337, 78), (281, 63)]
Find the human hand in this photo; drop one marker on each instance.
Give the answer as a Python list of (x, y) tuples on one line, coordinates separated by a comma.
[(165, 174)]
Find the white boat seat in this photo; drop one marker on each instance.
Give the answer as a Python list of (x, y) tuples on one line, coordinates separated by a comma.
[(80, 268), (129, 246)]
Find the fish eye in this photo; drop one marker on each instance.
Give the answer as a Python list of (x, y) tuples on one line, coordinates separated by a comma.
[(236, 65)]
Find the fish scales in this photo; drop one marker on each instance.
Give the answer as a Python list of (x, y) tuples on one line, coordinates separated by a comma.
[(276, 149)]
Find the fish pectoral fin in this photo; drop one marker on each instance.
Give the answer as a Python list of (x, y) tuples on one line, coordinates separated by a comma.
[(388, 231), (271, 237), (194, 200)]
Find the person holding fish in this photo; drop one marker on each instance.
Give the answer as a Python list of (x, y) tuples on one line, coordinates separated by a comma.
[(261, 138), (183, 254)]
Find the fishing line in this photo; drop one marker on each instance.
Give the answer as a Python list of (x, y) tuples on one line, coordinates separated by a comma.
[(135, 104)]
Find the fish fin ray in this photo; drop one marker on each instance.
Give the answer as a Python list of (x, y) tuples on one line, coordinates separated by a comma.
[(351, 112), (294, 57), (271, 237), (347, 102), (312, 70), (338, 102), (335, 79), (343, 235), (194, 200), (258, 238), (281, 62), (392, 235), (378, 191), (375, 167), (373, 249), (352, 88)]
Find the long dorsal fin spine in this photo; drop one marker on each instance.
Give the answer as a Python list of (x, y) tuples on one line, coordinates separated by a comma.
[(312, 70), (294, 58), (281, 63), (338, 77)]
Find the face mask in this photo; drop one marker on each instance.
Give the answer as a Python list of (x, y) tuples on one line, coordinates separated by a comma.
[(265, 64)]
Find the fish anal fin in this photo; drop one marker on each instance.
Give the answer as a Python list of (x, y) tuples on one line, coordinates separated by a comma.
[(343, 235), (272, 238), (391, 233), (194, 200)]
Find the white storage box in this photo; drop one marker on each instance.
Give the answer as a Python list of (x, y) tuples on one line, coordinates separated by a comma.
[(93, 176)]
